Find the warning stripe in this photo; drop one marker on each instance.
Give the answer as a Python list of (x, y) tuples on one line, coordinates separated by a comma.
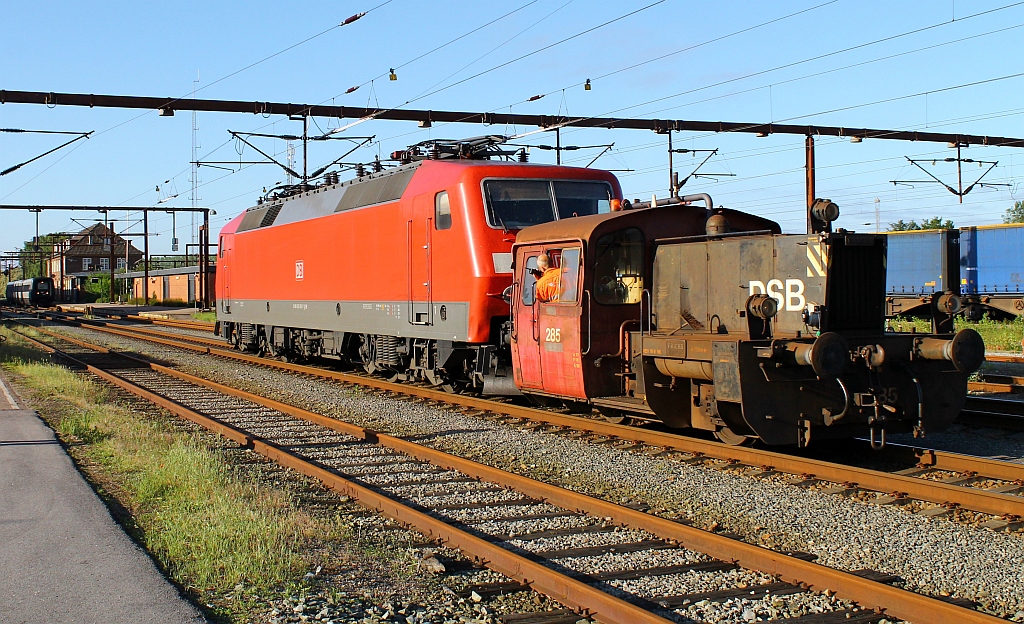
[(816, 260)]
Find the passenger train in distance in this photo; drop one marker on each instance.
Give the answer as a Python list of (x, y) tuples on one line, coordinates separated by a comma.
[(694, 316), (36, 291)]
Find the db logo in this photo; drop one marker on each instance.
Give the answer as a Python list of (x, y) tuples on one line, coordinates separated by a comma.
[(299, 270), (792, 298)]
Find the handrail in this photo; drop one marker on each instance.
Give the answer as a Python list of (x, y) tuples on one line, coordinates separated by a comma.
[(586, 294), (650, 314)]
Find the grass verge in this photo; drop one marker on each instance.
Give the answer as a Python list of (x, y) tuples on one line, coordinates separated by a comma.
[(998, 335), (209, 317), (212, 529)]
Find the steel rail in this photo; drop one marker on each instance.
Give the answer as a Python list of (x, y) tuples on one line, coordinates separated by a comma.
[(1002, 357), (948, 495), (570, 592), (197, 325), (867, 593)]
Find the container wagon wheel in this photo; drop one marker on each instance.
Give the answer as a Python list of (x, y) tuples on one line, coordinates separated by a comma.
[(728, 436)]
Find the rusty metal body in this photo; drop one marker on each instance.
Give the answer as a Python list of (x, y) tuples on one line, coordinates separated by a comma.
[(722, 323), (821, 363)]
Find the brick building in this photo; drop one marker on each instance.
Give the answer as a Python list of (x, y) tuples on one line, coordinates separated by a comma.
[(88, 252), (179, 283)]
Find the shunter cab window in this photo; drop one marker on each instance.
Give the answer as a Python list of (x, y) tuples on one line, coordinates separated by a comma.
[(515, 204), (529, 281), (618, 271), (567, 262), (442, 211)]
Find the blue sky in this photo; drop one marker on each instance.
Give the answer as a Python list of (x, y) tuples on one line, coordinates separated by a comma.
[(159, 49)]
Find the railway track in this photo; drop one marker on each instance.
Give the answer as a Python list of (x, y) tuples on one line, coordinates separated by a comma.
[(931, 483), (584, 552), (138, 318), (998, 412)]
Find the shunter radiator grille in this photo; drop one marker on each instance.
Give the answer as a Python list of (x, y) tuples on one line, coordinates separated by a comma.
[(856, 283)]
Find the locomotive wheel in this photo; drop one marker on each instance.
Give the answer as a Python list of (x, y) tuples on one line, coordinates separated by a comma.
[(614, 416), (728, 436)]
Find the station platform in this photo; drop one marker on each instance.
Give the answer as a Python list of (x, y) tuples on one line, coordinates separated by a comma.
[(161, 312), (62, 557)]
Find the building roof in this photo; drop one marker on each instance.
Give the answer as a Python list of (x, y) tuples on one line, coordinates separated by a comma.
[(81, 247), (189, 270)]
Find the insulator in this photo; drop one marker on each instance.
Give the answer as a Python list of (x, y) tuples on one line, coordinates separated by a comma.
[(360, 170), (524, 156)]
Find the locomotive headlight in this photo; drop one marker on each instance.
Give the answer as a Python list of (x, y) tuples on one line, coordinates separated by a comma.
[(762, 306), (825, 210)]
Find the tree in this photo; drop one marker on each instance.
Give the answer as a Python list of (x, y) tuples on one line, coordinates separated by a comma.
[(935, 223), (33, 250), (1014, 214), (900, 226)]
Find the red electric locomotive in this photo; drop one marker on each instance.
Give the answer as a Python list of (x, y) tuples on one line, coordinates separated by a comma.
[(400, 271)]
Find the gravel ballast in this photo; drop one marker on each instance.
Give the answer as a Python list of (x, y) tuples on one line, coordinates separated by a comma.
[(933, 556)]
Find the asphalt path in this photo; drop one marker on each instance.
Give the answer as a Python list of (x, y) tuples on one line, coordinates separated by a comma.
[(62, 556)]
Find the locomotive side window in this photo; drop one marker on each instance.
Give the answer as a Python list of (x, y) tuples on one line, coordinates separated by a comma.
[(529, 281), (515, 204), (442, 211), (618, 270), (569, 265), (577, 199)]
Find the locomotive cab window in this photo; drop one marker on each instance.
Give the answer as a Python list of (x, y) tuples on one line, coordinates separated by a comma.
[(529, 281), (567, 263), (442, 211), (618, 268), (515, 204), (577, 199)]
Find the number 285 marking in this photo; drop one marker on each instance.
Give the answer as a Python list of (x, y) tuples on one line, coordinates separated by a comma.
[(553, 334)]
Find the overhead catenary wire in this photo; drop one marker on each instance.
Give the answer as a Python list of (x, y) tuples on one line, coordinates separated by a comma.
[(889, 38), (761, 72)]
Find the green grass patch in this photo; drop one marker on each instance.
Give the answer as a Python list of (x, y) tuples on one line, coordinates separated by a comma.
[(210, 526), (998, 335), (209, 317)]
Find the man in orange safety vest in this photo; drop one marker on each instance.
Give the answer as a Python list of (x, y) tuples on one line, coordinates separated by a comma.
[(549, 284)]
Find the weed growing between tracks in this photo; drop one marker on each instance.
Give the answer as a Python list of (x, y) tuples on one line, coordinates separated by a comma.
[(230, 528), (998, 335)]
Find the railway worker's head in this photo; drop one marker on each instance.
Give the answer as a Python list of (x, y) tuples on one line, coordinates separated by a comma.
[(543, 262)]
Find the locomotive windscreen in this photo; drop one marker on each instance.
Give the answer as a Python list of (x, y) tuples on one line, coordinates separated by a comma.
[(516, 204)]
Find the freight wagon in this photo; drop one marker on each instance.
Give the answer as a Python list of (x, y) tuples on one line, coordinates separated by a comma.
[(984, 264)]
